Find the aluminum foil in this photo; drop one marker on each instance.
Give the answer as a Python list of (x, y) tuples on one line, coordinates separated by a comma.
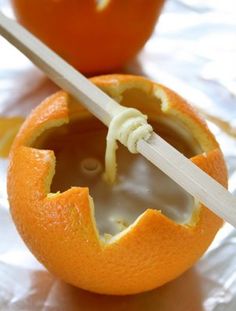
[(192, 50)]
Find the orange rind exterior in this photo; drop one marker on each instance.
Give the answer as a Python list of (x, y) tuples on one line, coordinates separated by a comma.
[(61, 231), (93, 36)]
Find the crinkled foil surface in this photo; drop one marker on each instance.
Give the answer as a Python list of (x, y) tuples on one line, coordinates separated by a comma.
[(193, 51)]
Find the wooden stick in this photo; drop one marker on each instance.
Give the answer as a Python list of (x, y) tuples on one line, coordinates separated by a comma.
[(64, 75), (156, 150)]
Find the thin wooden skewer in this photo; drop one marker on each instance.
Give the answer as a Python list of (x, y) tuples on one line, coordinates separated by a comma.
[(159, 152)]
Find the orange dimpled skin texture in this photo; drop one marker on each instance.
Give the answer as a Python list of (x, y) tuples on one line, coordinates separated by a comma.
[(61, 230), (91, 39)]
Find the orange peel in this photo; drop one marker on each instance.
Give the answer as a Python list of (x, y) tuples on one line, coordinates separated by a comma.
[(60, 229), (95, 36)]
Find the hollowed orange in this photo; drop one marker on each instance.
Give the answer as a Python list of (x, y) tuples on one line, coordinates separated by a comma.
[(94, 36), (60, 228)]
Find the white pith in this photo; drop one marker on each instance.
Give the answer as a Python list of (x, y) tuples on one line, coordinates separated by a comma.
[(102, 4)]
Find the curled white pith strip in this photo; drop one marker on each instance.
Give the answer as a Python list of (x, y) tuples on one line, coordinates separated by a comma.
[(129, 127)]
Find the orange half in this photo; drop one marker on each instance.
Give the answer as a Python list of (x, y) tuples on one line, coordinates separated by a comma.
[(92, 35), (60, 228)]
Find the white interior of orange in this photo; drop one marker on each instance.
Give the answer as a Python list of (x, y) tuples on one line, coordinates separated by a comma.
[(102, 4), (79, 148)]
